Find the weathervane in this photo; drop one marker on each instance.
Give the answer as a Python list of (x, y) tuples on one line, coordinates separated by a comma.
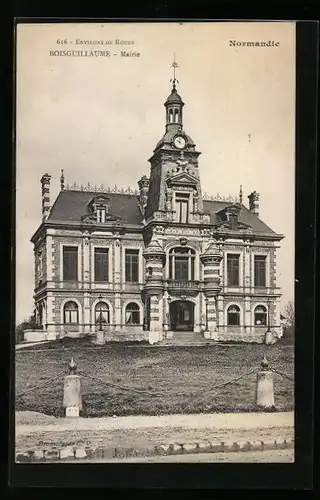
[(174, 65)]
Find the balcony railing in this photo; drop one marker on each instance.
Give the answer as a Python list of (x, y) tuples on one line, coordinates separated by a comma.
[(184, 284)]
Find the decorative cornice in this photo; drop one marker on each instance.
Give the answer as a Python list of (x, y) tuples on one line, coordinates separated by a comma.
[(101, 189), (135, 192), (217, 197)]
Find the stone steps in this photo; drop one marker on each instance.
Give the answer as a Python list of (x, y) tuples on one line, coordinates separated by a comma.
[(173, 343), (186, 338)]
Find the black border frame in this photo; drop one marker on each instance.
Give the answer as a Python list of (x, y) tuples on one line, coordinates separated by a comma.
[(222, 476)]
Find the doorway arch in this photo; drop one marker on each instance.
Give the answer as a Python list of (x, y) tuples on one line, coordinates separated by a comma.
[(182, 316)]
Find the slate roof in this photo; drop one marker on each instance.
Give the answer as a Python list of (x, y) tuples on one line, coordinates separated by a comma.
[(70, 206), (245, 216)]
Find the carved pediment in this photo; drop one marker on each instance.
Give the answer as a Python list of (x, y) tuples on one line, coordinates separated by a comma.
[(233, 225), (183, 178), (100, 199), (89, 218), (92, 218)]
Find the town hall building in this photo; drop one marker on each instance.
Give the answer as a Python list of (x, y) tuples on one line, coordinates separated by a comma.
[(158, 263)]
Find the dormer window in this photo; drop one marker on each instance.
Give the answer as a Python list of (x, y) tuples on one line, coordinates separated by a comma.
[(99, 206), (230, 215), (233, 218), (101, 214)]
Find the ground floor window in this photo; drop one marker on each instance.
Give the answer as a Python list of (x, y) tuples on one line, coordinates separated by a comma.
[(102, 313), (233, 316), (260, 315), (132, 314), (71, 313)]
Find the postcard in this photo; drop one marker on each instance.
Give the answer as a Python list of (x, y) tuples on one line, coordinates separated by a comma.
[(155, 230)]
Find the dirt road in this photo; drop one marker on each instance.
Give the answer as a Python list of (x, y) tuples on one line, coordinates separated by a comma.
[(273, 456)]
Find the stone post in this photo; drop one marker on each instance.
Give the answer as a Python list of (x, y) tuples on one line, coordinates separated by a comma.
[(268, 338), (72, 400), (265, 392), (100, 338)]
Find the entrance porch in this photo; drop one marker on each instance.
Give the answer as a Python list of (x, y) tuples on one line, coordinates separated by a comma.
[(182, 316)]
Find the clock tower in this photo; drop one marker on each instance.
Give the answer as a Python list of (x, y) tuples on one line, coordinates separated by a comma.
[(174, 178)]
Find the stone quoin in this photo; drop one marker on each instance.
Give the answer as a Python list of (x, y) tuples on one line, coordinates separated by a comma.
[(157, 262)]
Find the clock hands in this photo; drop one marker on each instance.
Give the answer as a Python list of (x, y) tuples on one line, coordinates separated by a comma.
[(179, 142)]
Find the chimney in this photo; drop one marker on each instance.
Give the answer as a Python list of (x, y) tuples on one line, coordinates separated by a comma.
[(144, 189), (254, 203), (45, 182)]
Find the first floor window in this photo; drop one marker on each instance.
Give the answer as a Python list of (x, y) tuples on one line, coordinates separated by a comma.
[(71, 313), (260, 315), (259, 270), (182, 263), (233, 269), (233, 316), (132, 314), (102, 313), (70, 263), (132, 265), (101, 264)]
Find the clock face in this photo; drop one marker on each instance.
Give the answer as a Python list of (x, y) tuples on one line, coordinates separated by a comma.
[(179, 142)]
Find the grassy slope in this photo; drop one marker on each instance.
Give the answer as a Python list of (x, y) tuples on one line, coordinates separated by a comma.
[(183, 375)]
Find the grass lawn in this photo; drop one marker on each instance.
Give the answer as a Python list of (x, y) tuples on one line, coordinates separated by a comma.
[(173, 379)]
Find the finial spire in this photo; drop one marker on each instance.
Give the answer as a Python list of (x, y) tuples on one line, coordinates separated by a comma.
[(240, 194), (174, 65), (62, 180)]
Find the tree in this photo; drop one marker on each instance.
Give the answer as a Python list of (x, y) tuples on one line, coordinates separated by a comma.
[(24, 325), (289, 320)]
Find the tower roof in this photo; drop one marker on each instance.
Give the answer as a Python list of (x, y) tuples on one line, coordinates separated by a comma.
[(154, 248), (174, 97), (212, 250)]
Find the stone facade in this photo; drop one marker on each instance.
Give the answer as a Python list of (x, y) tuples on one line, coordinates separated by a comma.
[(167, 252)]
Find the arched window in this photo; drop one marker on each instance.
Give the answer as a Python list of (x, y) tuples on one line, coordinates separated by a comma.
[(176, 115), (132, 314), (170, 116), (233, 316), (260, 315), (71, 313), (102, 313), (181, 263)]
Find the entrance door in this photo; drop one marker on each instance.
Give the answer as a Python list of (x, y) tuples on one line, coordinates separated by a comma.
[(182, 315)]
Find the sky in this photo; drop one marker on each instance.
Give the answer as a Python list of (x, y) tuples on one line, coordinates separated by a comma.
[(99, 118)]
